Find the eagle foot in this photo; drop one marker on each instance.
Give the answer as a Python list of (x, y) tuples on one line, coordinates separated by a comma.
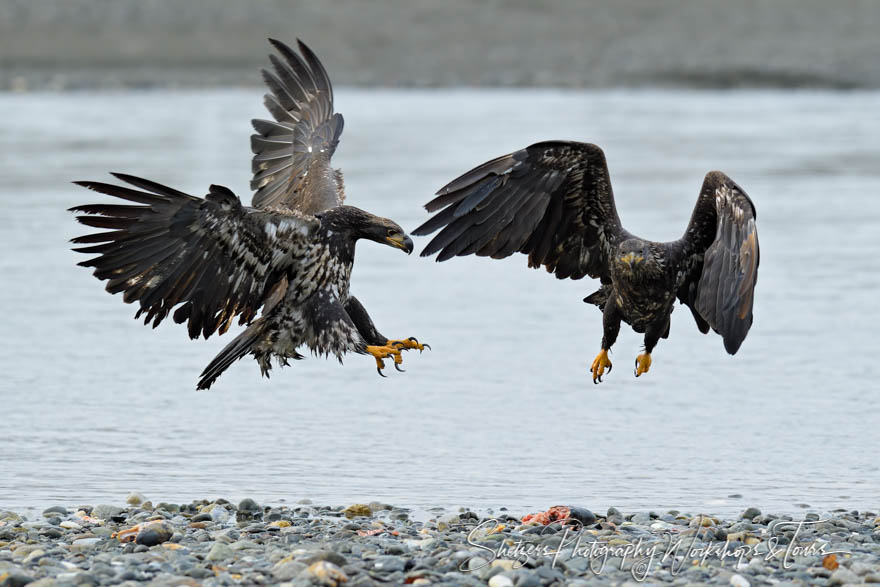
[(599, 364), (385, 352), (410, 343), (643, 363)]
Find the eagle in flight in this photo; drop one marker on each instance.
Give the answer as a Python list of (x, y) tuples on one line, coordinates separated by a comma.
[(282, 266), (553, 202)]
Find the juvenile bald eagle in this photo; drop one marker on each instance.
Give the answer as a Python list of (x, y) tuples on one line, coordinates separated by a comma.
[(288, 258), (553, 202)]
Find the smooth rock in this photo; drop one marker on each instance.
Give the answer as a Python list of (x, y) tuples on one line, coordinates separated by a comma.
[(15, 579), (54, 511), (388, 564), (219, 552), (751, 513), (843, 576), (325, 573), (107, 512), (219, 514), (287, 570), (135, 498), (154, 533), (357, 510), (500, 581)]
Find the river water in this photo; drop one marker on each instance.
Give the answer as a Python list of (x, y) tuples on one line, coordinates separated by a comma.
[(502, 412)]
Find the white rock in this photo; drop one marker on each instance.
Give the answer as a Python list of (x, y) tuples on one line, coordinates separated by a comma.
[(500, 581), (70, 525), (219, 514), (739, 581)]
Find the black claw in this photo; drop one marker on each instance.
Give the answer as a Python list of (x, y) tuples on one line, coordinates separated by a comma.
[(398, 345), (396, 366), (610, 367), (413, 339), (427, 346), (379, 371)]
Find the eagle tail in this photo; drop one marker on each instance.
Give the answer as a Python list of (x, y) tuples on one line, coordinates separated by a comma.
[(235, 350), (598, 297)]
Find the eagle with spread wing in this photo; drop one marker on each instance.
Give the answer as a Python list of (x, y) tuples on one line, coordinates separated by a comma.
[(282, 266), (553, 202)]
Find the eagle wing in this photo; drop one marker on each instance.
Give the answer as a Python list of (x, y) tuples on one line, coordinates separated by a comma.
[(721, 256), (212, 257), (551, 201), (291, 163)]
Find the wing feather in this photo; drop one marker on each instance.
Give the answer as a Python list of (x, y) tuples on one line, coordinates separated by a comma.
[(551, 201), (212, 258), (291, 163), (722, 255)]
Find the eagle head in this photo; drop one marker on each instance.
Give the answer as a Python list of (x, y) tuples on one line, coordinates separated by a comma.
[(636, 258), (355, 224)]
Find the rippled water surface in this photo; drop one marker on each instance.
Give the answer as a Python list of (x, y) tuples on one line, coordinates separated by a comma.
[(502, 411)]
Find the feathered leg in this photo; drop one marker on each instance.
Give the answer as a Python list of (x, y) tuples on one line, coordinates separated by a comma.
[(653, 333), (371, 334), (611, 328)]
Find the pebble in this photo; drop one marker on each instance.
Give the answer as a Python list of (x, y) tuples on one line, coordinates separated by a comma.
[(219, 552), (500, 581), (135, 498), (308, 544)]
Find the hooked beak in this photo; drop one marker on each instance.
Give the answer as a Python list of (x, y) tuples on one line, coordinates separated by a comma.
[(631, 259), (400, 241)]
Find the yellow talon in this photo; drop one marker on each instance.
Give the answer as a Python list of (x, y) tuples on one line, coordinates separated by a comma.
[(409, 343), (599, 363), (384, 352), (643, 363)]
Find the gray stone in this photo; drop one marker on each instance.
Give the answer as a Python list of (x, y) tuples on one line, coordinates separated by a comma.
[(751, 513), (843, 576), (287, 570), (219, 552), (106, 512), (388, 564), (329, 556), (54, 511), (248, 505)]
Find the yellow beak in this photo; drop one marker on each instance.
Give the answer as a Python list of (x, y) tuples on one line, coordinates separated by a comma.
[(400, 241)]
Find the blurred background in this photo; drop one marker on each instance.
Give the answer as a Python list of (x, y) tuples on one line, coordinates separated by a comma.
[(560, 43), (780, 94)]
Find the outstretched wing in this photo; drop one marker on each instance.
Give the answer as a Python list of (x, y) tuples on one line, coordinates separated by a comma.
[(291, 163), (551, 201), (211, 257), (721, 256)]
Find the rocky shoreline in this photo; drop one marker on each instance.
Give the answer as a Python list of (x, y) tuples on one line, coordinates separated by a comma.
[(222, 543)]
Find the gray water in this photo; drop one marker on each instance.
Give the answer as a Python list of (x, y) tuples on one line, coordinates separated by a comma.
[(502, 411)]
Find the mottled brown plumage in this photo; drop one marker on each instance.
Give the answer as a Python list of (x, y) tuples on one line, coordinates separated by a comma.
[(282, 267), (553, 202)]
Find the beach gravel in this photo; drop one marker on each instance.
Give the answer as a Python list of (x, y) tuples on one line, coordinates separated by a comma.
[(218, 543)]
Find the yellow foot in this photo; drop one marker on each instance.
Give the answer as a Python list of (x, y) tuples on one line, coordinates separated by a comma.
[(384, 352), (410, 343), (599, 363), (643, 363)]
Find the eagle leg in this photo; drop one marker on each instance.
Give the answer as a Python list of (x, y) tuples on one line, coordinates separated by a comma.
[(385, 352), (643, 363), (599, 364), (410, 343)]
